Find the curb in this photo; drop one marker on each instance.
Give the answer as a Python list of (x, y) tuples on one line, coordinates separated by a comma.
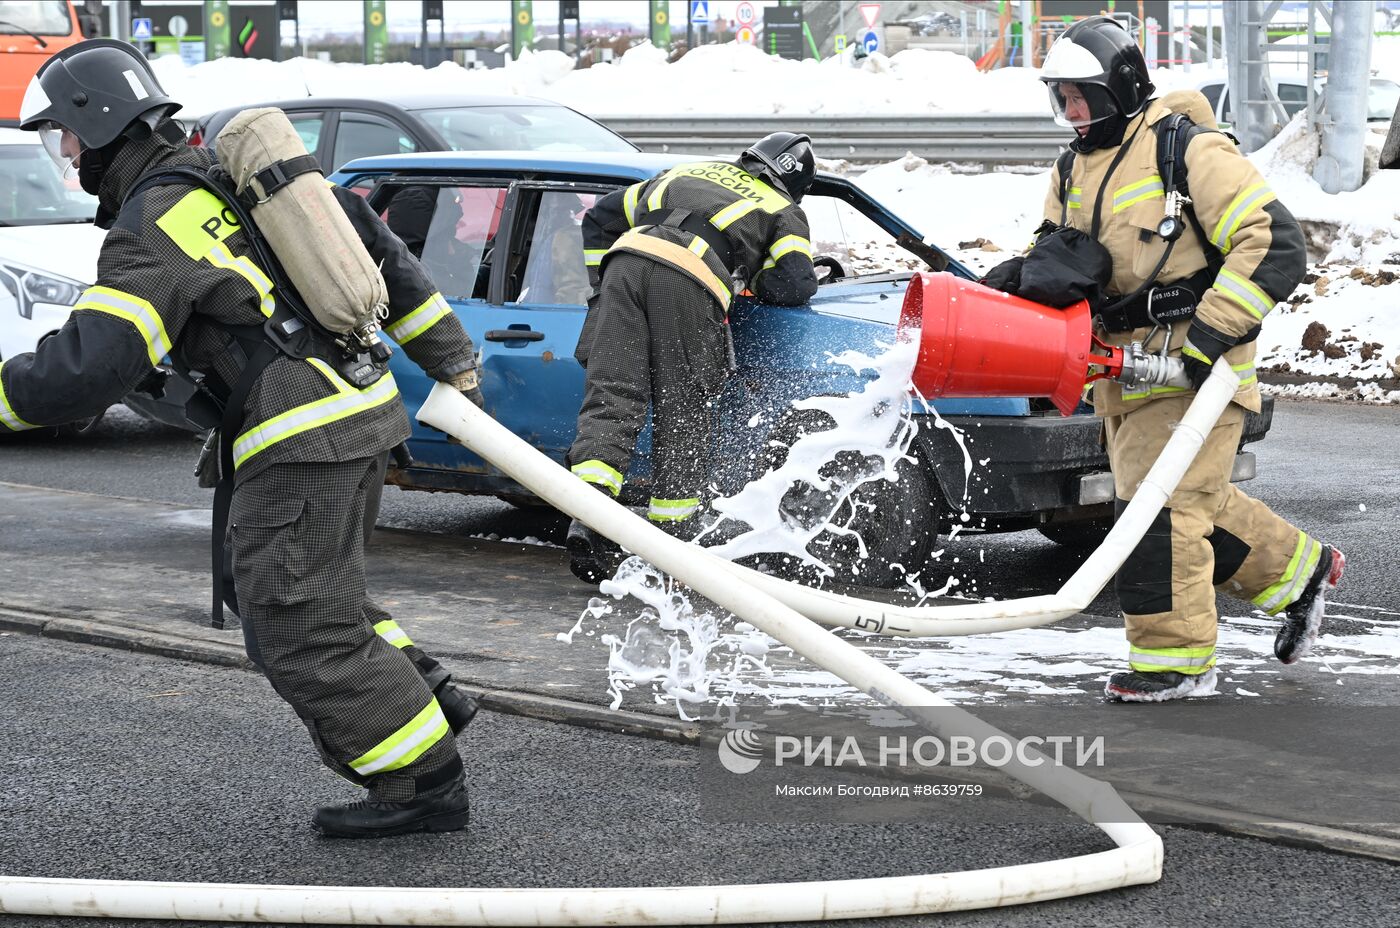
[(1196, 816)]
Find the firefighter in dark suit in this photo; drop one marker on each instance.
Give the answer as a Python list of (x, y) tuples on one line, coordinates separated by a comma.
[(666, 257), (176, 280)]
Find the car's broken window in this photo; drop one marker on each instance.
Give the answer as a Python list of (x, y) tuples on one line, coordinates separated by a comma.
[(457, 228)]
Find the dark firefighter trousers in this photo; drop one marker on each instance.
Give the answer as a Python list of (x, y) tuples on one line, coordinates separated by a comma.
[(657, 338), (298, 532)]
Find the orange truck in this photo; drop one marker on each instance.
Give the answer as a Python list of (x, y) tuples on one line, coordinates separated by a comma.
[(31, 31)]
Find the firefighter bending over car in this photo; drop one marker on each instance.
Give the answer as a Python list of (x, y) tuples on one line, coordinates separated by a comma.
[(666, 257), (176, 278), (1201, 250)]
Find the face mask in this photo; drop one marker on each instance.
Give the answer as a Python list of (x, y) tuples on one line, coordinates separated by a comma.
[(91, 167), (63, 147)]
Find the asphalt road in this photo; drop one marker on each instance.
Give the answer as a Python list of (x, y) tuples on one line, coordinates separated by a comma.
[(1321, 464), (123, 766)]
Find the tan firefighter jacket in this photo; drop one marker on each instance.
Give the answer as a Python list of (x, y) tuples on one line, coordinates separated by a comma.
[(1260, 241)]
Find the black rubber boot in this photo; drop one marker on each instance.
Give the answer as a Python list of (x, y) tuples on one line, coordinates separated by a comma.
[(1303, 619), (590, 553), (1160, 686), (443, 809)]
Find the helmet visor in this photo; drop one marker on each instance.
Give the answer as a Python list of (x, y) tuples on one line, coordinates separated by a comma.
[(63, 147), (1078, 106)]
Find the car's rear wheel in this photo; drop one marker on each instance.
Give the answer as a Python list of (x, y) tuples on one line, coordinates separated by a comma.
[(1085, 534), (897, 521), (526, 501)]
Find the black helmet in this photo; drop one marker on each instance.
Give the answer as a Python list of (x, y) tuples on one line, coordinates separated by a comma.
[(785, 158), (1101, 57), (96, 90)]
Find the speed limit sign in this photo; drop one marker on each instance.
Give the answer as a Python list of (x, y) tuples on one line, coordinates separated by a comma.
[(744, 12)]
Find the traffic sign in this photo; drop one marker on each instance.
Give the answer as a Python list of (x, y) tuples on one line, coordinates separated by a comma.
[(870, 41), (839, 41), (746, 35), (141, 29), (871, 12), (178, 26), (700, 11), (745, 13)]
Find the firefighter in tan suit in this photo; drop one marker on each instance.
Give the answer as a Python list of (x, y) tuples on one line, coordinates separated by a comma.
[(1240, 254)]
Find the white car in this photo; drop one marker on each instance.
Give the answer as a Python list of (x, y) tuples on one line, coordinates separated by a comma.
[(48, 244)]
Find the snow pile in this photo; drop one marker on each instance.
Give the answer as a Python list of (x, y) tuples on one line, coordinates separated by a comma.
[(720, 79)]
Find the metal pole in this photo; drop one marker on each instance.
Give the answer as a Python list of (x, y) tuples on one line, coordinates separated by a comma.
[(121, 20), (423, 39), (1027, 31), (1348, 68), (1210, 34), (1186, 42)]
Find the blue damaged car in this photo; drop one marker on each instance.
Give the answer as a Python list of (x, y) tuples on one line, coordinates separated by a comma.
[(505, 248)]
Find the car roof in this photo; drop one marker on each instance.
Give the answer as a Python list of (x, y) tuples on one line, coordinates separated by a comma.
[(395, 101), (614, 164)]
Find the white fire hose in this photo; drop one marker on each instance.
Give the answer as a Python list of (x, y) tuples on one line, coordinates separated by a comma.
[(1075, 595), (772, 606)]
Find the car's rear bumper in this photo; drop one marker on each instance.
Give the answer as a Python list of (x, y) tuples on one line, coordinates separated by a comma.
[(1030, 467)]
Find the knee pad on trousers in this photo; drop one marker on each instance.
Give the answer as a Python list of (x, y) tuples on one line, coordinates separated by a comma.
[(1144, 582), (1230, 553)]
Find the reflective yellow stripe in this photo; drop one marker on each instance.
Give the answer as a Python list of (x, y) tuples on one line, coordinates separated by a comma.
[(789, 243), (672, 510), (1245, 378), (312, 415), (8, 417), (1075, 198), (1190, 351), (406, 745), (699, 246), (592, 257), (654, 200), (1240, 207), (1244, 292), (134, 310), (732, 213), (220, 256), (1147, 189), (629, 203), (1295, 577), (596, 472), (389, 630), (420, 320), (1151, 391), (1182, 660)]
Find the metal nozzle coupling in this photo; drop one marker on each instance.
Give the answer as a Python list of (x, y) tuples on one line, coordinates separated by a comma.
[(1143, 368)]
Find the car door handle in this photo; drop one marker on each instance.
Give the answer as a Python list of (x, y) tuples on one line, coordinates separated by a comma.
[(513, 335)]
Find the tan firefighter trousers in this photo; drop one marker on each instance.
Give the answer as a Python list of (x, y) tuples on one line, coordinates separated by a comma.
[(1210, 536)]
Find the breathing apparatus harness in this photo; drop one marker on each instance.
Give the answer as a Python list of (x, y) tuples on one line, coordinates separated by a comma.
[(359, 357)]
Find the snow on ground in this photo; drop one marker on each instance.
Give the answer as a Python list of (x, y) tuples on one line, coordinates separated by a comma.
[(722, 79)]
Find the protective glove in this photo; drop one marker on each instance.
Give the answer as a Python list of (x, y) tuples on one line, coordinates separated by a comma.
[(1006, 276), (834, 270), (470, 385), (1204, 346)]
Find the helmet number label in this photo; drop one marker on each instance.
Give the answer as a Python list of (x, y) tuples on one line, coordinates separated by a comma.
[(198, 222)]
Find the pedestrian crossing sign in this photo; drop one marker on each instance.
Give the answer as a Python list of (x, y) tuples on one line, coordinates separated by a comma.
[(141, 29), (700, 11)]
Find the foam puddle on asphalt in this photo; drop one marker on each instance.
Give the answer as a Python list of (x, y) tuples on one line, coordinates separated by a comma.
[(667, 648)]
